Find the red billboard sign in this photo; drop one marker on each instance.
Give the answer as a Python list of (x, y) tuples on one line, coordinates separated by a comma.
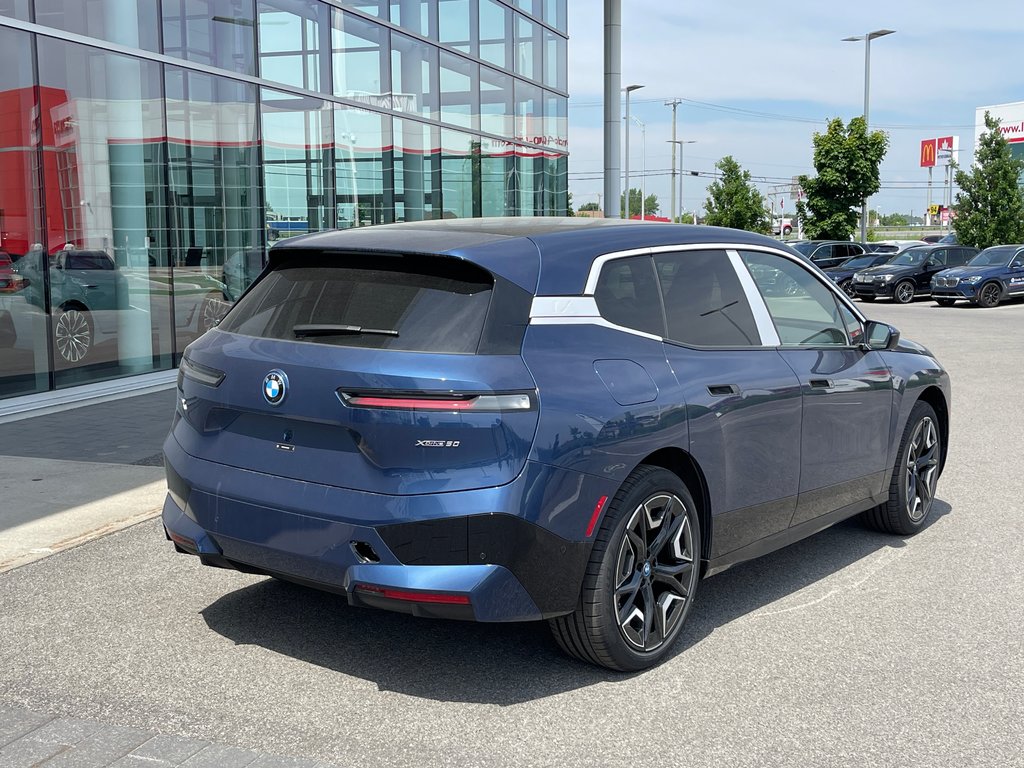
[(928, 147)]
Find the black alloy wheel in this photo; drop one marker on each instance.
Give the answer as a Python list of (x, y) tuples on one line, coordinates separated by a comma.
[(945, 302), (642, 576), (847, 286), (903, 292), (914, 476), (989, 295)]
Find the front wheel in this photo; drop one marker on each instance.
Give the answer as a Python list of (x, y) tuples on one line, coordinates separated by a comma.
[(912, 488), (847, 286), (903, 293), (945, 302), (989, 295), (641, 579)]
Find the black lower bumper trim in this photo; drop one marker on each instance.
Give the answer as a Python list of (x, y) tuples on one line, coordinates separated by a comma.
[(549, 567)]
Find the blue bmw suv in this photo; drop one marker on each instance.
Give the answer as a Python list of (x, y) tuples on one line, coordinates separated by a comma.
[(560, 419), (995, 274)]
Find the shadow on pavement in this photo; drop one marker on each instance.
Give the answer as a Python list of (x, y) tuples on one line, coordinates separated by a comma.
[(505, 664)]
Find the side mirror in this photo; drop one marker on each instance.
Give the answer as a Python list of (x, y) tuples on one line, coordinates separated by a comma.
[(881, 335), (1017, 264)]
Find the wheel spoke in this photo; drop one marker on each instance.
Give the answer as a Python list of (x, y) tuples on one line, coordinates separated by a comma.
[(648, 594), (629, 586), (676, 575)]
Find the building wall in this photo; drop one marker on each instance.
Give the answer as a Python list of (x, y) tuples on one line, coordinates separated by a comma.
[(152, 150), (1011, 117)]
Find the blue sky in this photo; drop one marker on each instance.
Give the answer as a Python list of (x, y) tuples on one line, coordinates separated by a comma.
[(787, 61)]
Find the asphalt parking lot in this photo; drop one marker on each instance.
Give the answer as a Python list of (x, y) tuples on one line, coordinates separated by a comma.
[(849, 648)]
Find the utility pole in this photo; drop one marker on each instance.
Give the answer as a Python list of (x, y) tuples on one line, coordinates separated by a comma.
[(673, 103)]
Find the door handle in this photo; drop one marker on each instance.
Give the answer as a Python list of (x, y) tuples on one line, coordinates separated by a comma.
[(822, 383), (723, 390)]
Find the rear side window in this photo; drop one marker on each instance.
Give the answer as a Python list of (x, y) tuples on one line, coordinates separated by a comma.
[(627, 295), (704, 302), (411, 303)]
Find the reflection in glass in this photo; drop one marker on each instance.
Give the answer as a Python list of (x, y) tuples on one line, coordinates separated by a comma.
[(294, 43), (456, 24), (460, 164), (497, 178), (298, 167), (360, 60), (497, 109), (214, 32), (530, 182), (555, 12), (102, 131), (556, 110), (361, 139), (133, 23), (555, 61), (414, 75), (17, 9), (23, 349), (378, 8), (527, 48), (459, 92), (417, 16), (495, 33), (529, 115), (416, 171), (214, 194)]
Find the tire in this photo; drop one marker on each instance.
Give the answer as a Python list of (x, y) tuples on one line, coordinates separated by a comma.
[(868, 299), (903, 292), (945, 302), (847, 286), (72, 334), (787, 231), (914, 476), (989, 295), (654, 591)]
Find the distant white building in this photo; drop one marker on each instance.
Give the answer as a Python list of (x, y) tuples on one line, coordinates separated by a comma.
[(1011, 123)]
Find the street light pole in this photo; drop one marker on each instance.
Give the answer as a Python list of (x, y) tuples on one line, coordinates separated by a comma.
[(625, 207), (643, 168), (867, 92), (612, 104), (682, 205), (674, 104)]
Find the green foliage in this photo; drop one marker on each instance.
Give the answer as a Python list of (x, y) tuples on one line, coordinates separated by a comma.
[(568, 205), (894, 220), (846, 158), (989, 207), (589, 207), (650, 203), (686, 218), (733, 201)]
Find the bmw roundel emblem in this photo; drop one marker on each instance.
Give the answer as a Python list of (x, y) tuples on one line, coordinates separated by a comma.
[(275, 387)]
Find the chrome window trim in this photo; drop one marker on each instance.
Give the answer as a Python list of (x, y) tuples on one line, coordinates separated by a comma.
[(598, 321)]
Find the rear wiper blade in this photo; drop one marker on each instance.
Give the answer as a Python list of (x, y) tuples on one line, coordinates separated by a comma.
[(316, 329)]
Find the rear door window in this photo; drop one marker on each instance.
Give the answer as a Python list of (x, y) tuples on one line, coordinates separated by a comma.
[(412, 303), (704, 302)]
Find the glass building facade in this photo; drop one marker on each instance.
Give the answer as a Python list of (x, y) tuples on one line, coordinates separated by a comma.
[(153, 150)]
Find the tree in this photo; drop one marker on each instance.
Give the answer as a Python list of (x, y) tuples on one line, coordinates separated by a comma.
[(650, 202), (568, 205), (846, 158), (733, 201), (989, 207), (589, 207)]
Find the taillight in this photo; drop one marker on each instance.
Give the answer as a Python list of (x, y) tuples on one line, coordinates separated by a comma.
[(441, 598), (448, 401), (203, 374)]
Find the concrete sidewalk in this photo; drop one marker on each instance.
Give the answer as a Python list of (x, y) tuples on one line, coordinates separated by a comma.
[(69, 477)]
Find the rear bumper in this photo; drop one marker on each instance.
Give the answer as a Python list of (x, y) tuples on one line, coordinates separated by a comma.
[(477, 545)]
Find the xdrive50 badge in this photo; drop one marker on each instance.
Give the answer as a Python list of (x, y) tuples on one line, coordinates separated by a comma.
[(275, 387), (437, 443)]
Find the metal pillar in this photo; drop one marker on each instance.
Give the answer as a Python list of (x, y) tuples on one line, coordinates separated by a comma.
[(612, 112), (674, 104)]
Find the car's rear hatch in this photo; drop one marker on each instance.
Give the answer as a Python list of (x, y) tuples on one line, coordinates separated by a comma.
[(401, 374)]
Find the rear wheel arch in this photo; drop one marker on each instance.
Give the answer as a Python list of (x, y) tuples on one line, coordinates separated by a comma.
[(686, 468)]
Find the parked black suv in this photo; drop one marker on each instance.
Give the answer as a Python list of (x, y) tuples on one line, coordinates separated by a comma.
[(828, 253), (910, 273)]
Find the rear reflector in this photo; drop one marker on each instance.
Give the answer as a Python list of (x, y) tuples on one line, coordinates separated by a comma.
[(413, 597), (597, 513), (520, 401)]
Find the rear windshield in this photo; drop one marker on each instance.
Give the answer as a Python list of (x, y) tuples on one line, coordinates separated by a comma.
[(410, 303)]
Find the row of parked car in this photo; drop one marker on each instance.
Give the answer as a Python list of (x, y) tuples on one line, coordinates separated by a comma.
[(945, 271)]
